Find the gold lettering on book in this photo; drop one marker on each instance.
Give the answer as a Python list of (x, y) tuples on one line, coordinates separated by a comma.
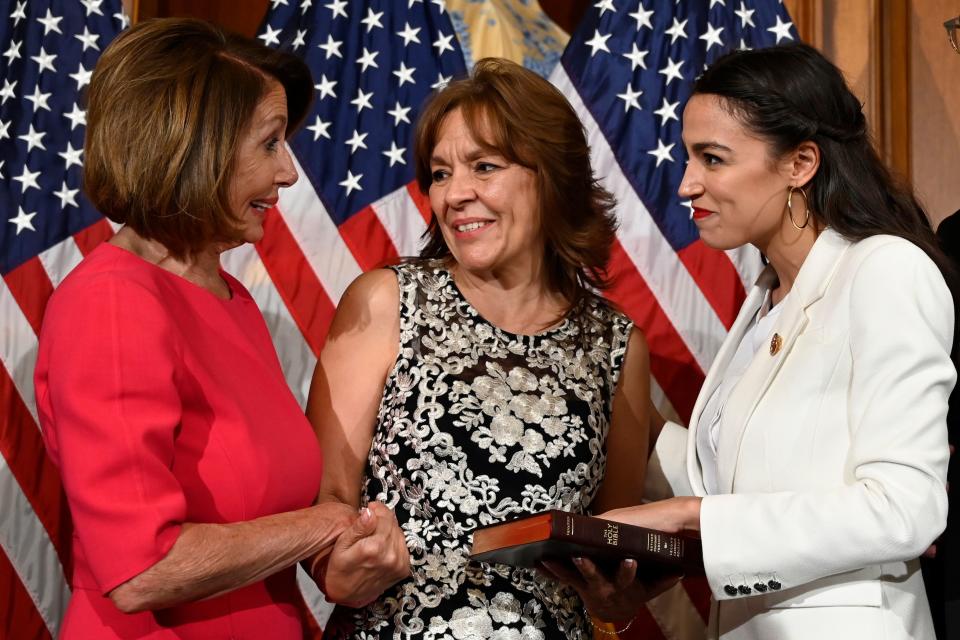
[(670, 546), (612, 534), (653, 541)]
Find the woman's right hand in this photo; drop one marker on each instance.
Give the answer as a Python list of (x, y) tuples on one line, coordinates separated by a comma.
[(368, 557)]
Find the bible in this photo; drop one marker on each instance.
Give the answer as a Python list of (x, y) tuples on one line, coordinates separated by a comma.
[(558, 535)]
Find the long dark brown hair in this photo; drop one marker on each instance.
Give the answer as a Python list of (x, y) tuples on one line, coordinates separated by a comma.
[(791, 94)]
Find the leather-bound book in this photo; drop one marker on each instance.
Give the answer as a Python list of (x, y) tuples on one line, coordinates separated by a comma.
[(558, 535)]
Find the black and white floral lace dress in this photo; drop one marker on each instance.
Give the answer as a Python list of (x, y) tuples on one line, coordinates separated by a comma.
[(478, 425)]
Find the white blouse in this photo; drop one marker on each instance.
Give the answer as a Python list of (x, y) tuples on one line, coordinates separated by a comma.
[(708, 429)]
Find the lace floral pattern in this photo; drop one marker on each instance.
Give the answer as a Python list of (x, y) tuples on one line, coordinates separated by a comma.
[(477, 425)]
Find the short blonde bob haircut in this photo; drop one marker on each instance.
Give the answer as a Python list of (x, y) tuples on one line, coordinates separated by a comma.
[(167, 106), (525, 119)]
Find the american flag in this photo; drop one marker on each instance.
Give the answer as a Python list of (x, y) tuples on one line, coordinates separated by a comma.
[(627, 71), (354, 207)]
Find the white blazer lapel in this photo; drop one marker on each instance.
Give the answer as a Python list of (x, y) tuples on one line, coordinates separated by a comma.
[(812, 280), (719, 367)]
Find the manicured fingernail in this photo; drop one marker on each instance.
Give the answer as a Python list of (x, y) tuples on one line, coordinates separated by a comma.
[(366, 514), (578, 561), (630, 563)]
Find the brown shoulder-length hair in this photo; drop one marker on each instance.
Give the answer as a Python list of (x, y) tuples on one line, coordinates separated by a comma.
[(168, 103), (529, 122)]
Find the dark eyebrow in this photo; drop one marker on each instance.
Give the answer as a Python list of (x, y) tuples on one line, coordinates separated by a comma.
[(700, 147), (474, 155)]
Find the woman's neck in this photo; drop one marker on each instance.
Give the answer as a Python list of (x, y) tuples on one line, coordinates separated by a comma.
[(522, 304), (787, 250), (202, 269)]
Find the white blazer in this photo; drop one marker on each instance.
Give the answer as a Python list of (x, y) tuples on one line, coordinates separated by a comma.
[(832, 451)]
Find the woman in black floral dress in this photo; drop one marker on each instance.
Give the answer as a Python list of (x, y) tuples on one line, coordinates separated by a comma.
[(484, 380)]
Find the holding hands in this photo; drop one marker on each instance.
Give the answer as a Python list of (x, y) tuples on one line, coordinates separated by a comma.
[(368, 557)]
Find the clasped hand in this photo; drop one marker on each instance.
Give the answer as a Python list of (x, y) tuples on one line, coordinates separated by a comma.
[(368, 557)]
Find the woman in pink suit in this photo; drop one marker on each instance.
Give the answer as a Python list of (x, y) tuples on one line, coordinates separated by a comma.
[(189, 468)]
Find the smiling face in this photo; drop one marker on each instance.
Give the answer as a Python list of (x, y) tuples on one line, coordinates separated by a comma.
[(263, 164), (738, 190), (486, 206)]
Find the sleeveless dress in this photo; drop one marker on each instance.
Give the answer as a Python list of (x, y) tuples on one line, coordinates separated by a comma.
[(478, 425)]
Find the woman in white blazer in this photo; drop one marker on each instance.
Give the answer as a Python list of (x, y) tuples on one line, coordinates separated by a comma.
[(815, 462)]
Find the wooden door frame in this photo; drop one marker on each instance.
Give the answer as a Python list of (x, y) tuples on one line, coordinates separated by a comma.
[(887, 105), (893, 56)]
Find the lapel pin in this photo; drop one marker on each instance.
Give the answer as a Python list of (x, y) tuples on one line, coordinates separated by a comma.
[(775, 343)]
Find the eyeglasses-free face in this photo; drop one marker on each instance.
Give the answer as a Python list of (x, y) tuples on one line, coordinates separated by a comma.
[(952, 26)]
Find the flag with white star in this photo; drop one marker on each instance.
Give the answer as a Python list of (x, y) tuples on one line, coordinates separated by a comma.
[(374, 64), (47, 53), (633, 64), (49, 49)]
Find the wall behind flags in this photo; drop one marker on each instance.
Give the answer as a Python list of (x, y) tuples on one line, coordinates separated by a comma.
[(894, 53)]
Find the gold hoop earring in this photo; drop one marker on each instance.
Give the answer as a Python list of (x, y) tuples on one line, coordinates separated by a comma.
[(806, 207)]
